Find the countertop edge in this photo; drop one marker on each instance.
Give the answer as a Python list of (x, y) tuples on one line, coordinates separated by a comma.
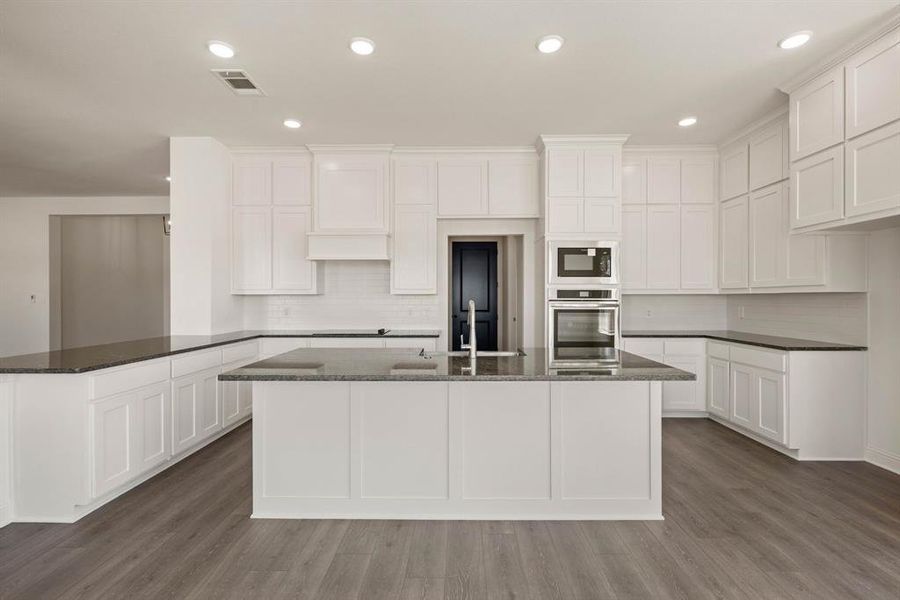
[(733, 340)]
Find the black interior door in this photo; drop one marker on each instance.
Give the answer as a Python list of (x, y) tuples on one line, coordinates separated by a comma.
[(475, 277)]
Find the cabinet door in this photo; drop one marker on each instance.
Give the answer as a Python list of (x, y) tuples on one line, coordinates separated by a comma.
[(565, 215), (462, 187), (414, 261), (733, 234), (564, 173), (634, 181), (153, 412), (698, 180), (803, 262), (601, 172), (817, 114), (768, 410), (767, 232), (684, 395), (873, 171), (817, 188), (291, 181), (602, 215), (663, 180), (698, 246), (114, 432), (291, 271), (767, 156), (231, 410), (873, 86), (733, 171), (742, 395), (415, 181), (512, 189), (251, 248), (351, 193), (663, 247), (634, 247), (252, 182), (185, 394), (209, 414), (717, 388), (245, 397)]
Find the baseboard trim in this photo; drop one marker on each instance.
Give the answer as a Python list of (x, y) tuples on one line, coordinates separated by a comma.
[(459, 517), (685, 414), (885, 460)]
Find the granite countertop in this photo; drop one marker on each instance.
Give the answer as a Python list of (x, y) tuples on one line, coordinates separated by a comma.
[(406, 365), (92, 358), (742, 337)]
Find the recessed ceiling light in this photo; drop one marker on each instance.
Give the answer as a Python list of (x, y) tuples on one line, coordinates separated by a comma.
[(795, 40), (220, 49), (687, 121), (292, 123), (362, 46), (550, 44), (168, 178)]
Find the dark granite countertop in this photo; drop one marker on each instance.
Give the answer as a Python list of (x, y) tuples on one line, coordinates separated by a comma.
[(742, 337), (407, 365), (92, 358)]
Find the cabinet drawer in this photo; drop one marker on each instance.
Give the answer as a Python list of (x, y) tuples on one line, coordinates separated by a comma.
[(272, 346), (196, 362), (774, 361), (129, 378), (717, 350), (644, 347), (685, 347), (240, 352)]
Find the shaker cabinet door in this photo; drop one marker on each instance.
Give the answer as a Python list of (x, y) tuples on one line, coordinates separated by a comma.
[(663, 247), (873, 86), (817, 114), (733, 231)]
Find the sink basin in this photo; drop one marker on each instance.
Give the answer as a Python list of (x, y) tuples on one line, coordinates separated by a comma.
[(479, 353)]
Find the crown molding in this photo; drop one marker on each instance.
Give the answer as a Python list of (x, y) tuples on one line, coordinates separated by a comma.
[(890, 23), (675, 149), (577, 140), (349, 148), (270, 150), (746, 130), (464, 149)]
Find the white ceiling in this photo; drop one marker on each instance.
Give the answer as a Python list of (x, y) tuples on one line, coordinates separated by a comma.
[(92, 90)]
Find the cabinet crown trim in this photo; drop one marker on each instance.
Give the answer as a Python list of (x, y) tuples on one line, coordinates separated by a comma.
[(350, 148), (464, 149), (552, 140), (748, 130), (673, 150)]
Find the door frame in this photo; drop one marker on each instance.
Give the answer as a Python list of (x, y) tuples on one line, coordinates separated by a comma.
[(501, 283)]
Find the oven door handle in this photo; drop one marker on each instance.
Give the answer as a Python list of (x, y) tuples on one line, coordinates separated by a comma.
[(584, 305)]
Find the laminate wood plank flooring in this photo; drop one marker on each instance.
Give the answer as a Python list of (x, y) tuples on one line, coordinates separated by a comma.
[(742, 522)]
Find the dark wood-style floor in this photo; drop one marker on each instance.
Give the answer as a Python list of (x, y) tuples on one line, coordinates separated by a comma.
[(742, 521)]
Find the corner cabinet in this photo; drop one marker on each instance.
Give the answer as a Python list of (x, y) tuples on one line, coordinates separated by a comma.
[(271, 219)]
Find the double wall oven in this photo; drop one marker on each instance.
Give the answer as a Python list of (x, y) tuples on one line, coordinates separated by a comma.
[(583, 326)]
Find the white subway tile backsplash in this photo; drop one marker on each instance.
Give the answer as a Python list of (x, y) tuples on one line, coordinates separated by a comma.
[(357, 295), (650, 312), (827, 317)]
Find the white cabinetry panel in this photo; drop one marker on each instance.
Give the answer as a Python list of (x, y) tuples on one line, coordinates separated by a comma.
[(512, 189), (766, 232), (663, 180), (742, 395), (634, 181), (565, 215), (698, 180), (291, 271), (291, 181), (415, 181), (685, 395), (873, 86), (698, 246), (873, 171), (414, 261), (767, 156), (769, 415), (252, 184), (251, 250), (817, 188), (404, 444), (462, 187), (734, 170), (565, 173), (634, 247), (733, 217), (601, 172), (718, 387), (351, 193), (663, 244), (817, 114), (602, 215)]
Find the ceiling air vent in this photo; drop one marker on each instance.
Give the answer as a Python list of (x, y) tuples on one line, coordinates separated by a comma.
[(238, 82)]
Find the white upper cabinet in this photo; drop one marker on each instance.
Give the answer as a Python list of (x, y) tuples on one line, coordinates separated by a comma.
[(634, 180), (291, 272), (462, 187), (513, 187), (873, 171), (602, 172), (733, 230), (351, 192), (251, 249), (663, 180), (565, 170), (766, 232), (415, 181), (873, 86), (291, 181), (252, 182), (633, 258), (698, 180), (817, 114), (602, 215), (565, 215), (817, 188), (698, 247), (767, 155), (414, 260), (733, 173), (663, 247)]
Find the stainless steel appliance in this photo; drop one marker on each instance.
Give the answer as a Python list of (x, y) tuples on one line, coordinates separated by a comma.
[(583, 326), (584, 263)]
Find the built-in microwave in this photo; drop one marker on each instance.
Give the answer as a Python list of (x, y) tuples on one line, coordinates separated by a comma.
[(584, 263)]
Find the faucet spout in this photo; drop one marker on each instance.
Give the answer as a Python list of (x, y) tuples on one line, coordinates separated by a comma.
[(472, 346)]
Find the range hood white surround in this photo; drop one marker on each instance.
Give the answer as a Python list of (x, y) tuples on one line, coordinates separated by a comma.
[(351, 200)]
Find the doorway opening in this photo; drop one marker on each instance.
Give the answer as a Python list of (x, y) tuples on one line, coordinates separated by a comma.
[(486, 269)]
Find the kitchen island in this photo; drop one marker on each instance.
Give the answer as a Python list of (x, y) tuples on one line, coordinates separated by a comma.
[(399, 434)]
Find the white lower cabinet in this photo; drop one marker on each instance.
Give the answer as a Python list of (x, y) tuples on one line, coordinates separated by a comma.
[(130, 435), (237, 400), (678, 397), (718, 394), (195, 408), (757, 401)]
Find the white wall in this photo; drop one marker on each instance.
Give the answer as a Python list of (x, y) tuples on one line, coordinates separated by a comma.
[(827, 317), (25, 260), (649, 312), (201, 300), (356, 296), (883, 414)]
